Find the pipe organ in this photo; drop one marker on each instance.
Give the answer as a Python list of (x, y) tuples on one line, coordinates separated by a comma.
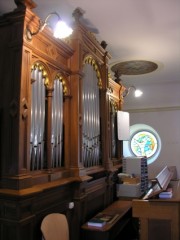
[(57, 127)]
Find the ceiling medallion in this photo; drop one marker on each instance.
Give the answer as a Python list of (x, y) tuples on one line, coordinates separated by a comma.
[(134, 67)]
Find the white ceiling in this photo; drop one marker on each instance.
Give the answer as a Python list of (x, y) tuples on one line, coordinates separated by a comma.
[(134, 30)]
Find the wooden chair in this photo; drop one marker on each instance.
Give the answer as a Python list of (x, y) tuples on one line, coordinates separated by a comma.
[(55, 227)]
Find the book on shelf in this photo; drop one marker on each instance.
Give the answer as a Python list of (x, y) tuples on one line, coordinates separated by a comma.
[(101, 219), (95, 222)]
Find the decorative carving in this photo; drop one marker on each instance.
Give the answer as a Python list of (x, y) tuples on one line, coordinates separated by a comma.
[(91, 61), (104, 44), (110, 90), (84, 22), (44, 73), (25, 3), (60, 77), (117, 76), (25, 108), (78, 13), (114, 105), (53, 52)]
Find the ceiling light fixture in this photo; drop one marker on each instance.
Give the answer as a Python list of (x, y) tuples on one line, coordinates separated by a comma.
[(61, 30)]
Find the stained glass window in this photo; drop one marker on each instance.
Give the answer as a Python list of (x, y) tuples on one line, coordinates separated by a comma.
[(144, 143)]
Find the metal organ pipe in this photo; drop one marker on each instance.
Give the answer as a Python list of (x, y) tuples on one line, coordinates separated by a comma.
[(37, 119), (91, 118), (37, 131), (57, 124)]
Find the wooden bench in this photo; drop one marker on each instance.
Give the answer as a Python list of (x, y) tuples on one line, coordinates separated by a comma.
[(110, 230)]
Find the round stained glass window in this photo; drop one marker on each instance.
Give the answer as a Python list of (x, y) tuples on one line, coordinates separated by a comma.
[(144, 143)]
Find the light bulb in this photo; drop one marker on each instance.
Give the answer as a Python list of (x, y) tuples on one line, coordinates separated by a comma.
[(62, 30), (138, 93)]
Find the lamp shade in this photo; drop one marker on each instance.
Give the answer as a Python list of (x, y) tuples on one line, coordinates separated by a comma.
[(123, 125)]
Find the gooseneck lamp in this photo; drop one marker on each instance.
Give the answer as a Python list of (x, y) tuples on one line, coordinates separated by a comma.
[(61, 29)]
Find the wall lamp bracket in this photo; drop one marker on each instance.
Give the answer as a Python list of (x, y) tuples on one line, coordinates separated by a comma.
[(61, 29), (137, 92), (117, 75)]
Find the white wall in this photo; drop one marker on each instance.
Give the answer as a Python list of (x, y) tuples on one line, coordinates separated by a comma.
[(166, 121), (159, 107), (154, 96)]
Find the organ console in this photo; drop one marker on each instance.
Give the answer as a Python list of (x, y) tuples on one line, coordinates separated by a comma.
[(159, 218)]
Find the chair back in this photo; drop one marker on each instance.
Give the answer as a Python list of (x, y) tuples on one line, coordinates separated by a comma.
[(55, 227)]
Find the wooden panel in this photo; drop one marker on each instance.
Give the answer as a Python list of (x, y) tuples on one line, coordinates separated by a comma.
[(156, 210), (152, 212), (159, 229), (21, 216)]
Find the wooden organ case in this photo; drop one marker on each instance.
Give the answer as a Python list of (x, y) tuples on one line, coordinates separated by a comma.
[(56, 126)]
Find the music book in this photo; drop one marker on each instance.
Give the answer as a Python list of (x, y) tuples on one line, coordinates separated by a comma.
[(166, 194), (101, 219)]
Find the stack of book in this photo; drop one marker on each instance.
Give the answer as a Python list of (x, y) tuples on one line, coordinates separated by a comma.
[(102, 219), (166, 194)]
